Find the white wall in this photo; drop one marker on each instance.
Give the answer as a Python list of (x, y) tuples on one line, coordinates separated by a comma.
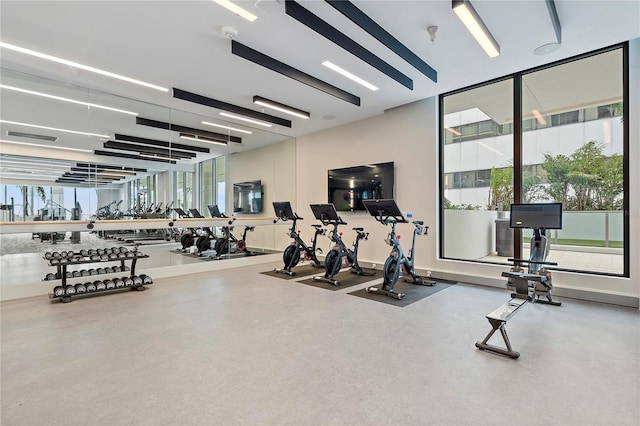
[(407, 135)]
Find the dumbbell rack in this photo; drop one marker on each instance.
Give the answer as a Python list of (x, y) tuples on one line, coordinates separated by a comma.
[(80, 259)]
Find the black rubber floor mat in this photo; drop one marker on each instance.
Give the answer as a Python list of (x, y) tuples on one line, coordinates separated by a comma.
[(412, 293), (301, 271), (345, 279)]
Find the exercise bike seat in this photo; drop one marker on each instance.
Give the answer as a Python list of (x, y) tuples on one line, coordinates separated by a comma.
[(358, 229), (317, 226), (418, 222)]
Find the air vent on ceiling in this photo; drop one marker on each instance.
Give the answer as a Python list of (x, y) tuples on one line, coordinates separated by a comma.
[(32, 136)]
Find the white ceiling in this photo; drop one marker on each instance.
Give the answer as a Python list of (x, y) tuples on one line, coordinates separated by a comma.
[(180, 44)]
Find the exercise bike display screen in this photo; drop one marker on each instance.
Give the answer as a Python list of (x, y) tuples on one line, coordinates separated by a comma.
[(541, 215), (283, 209)]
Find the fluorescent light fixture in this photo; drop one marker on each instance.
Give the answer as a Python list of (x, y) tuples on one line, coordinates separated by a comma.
[(248, 120), (54, 128), (45, 146), (454, 131), (491, 149), (476, 27), (606, 132), (201, 139), (258, 100), (349, 75), (157, 157), (539, 117), (28, 176), (227, 127), (80, 66), (236, 9), (59, 98), (13, 161)]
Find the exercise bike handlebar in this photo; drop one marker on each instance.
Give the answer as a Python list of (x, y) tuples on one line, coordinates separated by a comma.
[(541, 262)]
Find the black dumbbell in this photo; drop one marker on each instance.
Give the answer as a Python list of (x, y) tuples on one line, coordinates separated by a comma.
[(55, 255), (80, 288), (84, 273), (51, 277), (100, 252), (100, 285), (58, 291), (69, 290), (84, 253), (146, 279), (116, 268), (91, 287), (91, 252), (54, 261), (128, 282), (101, 271), (104, 257), (63, 260), (113, 256), (119, 282), (69, 274), (76, 274), (123, 249), (108, 270), (95, 257), (63, 253), (48, 255), (109, 284), (137, 281), (93, 272)]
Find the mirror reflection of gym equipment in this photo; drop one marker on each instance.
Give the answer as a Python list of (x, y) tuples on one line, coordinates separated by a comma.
[(534, 285)]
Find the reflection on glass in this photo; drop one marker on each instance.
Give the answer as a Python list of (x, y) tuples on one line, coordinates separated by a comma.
[(478, 172), (573, 154)]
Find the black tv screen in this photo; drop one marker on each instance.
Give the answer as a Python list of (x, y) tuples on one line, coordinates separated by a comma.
[(247, 197), (350, 186), (541, 215)]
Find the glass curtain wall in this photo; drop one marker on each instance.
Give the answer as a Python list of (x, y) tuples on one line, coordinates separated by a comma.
[(570, 145)]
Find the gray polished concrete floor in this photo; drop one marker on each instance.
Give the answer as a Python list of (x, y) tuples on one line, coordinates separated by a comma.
[(238, 347)]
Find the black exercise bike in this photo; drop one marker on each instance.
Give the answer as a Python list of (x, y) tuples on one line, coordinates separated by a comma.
[(387, 213), (327, 215), (298, 248)]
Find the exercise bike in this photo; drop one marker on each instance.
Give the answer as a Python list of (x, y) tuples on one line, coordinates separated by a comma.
[(534, 285), (228, 244), (327, 215), (387, 213), (292, 254)]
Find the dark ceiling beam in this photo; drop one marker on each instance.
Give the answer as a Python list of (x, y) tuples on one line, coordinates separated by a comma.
[(149, 149), (145, 141), (302, 15), (94, 166), (214, 103), (178, 128), (362, 20), (131, 156), (256, 57)]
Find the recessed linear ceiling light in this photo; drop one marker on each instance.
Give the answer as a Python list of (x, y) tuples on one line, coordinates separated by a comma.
[(53, 128), (349, 75), (59, 98), (476, 27), (491, 149), (81, 66), (28, 177), (248, 120), (227, 127), (539, 117), (46, 146), (236, 9), (201, 139), (258, 100), (18, 163), (157, 157)]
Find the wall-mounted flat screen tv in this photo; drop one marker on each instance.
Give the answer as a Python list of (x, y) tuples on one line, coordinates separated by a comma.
[(349, 186), (247, 197)]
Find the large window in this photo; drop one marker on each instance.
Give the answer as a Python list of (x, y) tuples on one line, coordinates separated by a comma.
[(566, 145), (212, 184)]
